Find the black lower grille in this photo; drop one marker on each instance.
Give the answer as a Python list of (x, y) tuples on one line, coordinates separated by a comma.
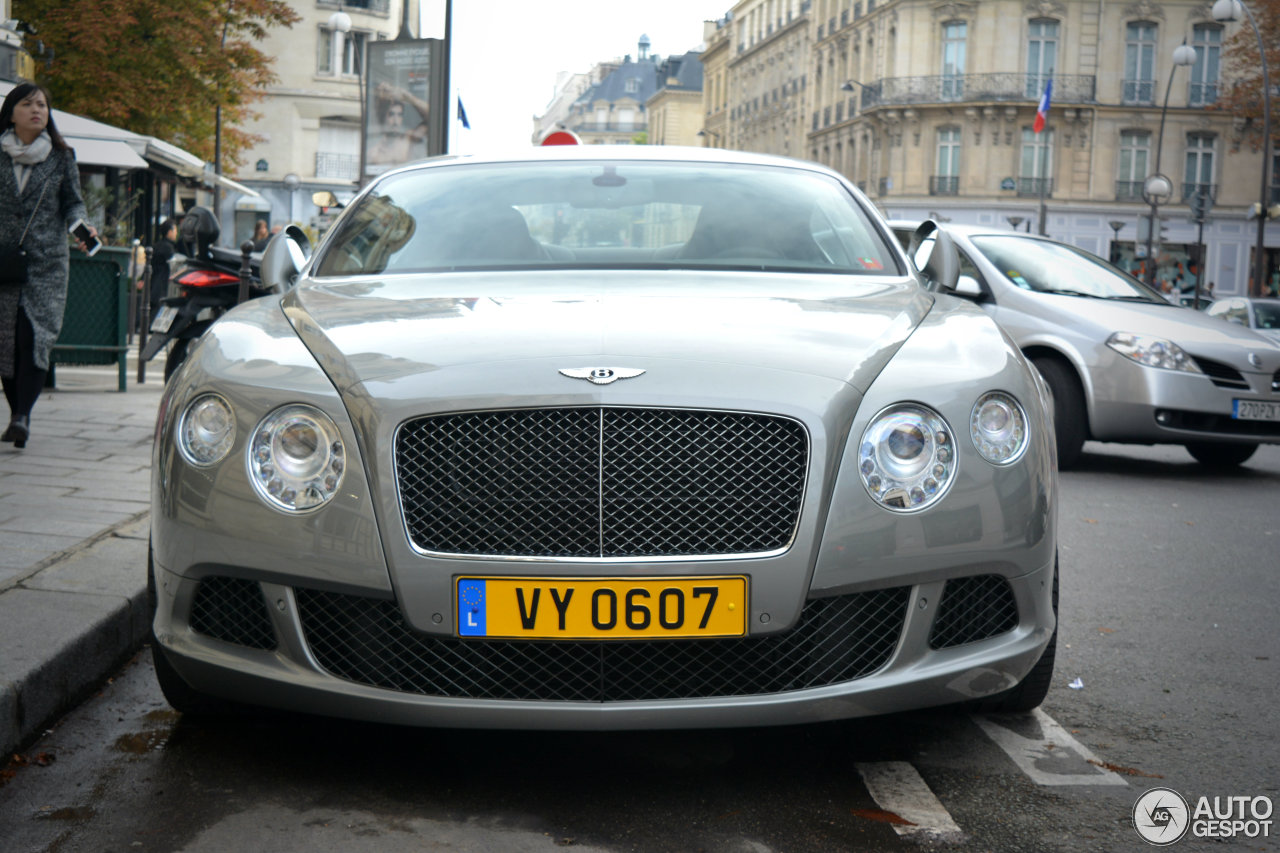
[(233, 610), (972, 609), (1217, 424), (366, 640), (601, 482)]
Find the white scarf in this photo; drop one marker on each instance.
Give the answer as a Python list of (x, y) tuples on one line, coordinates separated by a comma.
[(25, 156)]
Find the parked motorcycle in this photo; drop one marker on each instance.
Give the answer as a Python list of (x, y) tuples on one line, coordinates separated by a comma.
[(208, 285)]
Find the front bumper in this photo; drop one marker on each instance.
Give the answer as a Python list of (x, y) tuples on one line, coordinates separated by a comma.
[(281, 656), (1133, 403)]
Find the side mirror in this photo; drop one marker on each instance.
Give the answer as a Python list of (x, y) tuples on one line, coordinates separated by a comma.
[(284, 258), (968, 286), (325, 198), (935, 256)]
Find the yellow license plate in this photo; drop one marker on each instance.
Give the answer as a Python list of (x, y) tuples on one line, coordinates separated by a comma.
[(602, 608)]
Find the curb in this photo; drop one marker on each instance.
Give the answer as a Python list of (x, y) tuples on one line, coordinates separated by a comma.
[(64, 630)]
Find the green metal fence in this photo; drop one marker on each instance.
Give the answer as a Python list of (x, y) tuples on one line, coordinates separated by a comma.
[(95, 323)]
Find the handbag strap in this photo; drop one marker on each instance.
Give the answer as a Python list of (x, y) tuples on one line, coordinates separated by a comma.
[(43, 188)]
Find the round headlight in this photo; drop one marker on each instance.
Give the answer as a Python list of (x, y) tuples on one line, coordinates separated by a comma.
[(296, 458), (207, 430), (998, 427), (907, 457)]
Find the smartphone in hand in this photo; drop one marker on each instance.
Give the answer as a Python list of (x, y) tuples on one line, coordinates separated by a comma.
[(81, 232)]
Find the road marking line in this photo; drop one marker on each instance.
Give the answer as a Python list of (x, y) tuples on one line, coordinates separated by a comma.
[(1044, 751), (897, 788)]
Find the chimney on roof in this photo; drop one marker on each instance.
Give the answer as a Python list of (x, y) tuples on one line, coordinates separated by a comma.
[(644, 47)]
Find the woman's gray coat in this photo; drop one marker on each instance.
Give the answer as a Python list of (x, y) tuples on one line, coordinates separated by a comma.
[(44, 296)]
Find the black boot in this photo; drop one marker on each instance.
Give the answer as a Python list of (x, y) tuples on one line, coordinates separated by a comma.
[(18, 431)]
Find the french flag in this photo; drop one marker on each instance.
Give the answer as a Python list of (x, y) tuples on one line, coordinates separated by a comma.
[(1042, 113)]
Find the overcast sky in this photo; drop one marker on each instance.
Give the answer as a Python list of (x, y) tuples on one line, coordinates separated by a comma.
[(507, 53)]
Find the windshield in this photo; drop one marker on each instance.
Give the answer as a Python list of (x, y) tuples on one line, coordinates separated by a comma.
[(603, 214), (1048, 267), (1267, 314)]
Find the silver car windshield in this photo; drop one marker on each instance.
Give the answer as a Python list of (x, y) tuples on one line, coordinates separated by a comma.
[(1048, 267), (606, 215)]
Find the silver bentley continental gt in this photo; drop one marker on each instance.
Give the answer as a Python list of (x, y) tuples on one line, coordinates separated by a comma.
[(605, 438)]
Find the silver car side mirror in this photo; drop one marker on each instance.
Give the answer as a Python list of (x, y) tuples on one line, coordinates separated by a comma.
[(284, 258), (968, 286), (935, 256)]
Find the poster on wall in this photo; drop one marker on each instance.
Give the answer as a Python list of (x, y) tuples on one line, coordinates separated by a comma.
[(401, 93)]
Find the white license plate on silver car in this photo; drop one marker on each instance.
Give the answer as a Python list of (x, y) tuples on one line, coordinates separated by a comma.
[(1255, 410), (164, 319)]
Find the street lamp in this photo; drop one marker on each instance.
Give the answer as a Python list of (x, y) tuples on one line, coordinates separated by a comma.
[(1225, 10), (1015, 221), (1158, 189), (340, 22), (1116, 225)]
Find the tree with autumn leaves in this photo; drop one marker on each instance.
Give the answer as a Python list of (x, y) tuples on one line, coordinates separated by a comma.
[(158, 67), (1241, 92)]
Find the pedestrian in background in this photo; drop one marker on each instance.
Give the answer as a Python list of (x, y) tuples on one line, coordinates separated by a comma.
[(261, 236), (161, 253), (39, 202)]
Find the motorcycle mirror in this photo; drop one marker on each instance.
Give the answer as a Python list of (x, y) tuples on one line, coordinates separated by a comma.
[(325, 198), (284, 258)]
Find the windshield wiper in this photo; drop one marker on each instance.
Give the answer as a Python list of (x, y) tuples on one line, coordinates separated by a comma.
[(1061, 292)]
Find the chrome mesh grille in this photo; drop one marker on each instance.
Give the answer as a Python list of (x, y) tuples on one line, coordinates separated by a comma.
[(366, 640), (233, 610), (601, 482), (973, 609)]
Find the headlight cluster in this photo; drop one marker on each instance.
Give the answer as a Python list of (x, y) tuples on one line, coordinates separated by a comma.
[(296, 458), (295, 455), (1152, 352), (907, 456), (999, 428), (207, 430)]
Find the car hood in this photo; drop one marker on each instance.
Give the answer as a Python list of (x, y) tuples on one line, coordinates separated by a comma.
[(389, 329)]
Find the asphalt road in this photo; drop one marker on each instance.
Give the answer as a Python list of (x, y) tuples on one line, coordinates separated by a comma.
[(1169, 631)]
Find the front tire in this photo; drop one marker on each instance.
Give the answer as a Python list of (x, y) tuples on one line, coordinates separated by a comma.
[(1221, 456), (1069, 412)]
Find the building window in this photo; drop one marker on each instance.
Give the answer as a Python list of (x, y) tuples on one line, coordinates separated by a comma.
[(1042, 55), (947, 179), (1037, 162), (1207, 40), (632, 85), (1199, 174), (324, 52), (953, 48), (1139, 62), (1135, 154)]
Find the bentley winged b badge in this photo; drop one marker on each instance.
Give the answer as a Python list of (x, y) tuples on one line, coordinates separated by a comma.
[(601, 375)]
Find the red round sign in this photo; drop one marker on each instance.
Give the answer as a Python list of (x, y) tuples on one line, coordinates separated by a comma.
[(561, 137)]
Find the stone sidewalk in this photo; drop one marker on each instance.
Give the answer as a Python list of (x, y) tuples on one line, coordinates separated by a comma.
[(74, 516)]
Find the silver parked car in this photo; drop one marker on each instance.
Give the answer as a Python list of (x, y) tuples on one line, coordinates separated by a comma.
[(1260, 314), (1124, 364), (605, 438)]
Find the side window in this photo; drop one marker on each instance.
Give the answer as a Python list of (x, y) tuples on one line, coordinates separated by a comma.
[(969, 268)]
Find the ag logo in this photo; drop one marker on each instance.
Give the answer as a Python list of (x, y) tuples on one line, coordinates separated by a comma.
[(1161, 816), (601, 375)]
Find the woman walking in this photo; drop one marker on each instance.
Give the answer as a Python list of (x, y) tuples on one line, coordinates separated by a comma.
[(39, 201)]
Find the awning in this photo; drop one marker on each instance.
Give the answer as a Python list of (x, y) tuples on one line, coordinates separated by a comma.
[(105, 152)]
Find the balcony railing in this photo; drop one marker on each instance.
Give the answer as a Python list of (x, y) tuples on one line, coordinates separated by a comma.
[(944, 185), (1129, 190), (1067, 89), (1031, 186), (342, 167), (1202, 94), (1190, 190), (1137, 92), (364, 5), (611, 127)]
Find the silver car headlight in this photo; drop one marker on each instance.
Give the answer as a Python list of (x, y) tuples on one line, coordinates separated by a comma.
[(1152, 352), (998, 426), (296, 458), (907, 457), (206, 430)]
